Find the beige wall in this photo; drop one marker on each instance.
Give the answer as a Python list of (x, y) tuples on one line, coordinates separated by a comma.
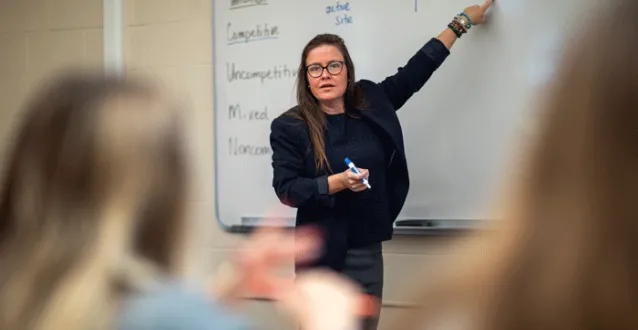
[(171, 40), (38, 36)]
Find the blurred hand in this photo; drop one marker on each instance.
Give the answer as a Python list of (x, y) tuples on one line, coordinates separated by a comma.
[(322, 300), (317, 299), (477, 13), (250, 271), (353, 181)]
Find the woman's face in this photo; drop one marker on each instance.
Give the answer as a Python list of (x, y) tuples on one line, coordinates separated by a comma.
[(327, 73)]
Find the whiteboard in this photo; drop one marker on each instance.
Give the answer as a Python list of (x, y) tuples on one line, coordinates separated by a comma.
[(459, 129)]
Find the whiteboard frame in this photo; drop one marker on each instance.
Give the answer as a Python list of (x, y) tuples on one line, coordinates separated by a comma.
[(428, 227)]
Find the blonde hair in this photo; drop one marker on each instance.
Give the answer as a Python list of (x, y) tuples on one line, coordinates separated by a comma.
[(92, 204), (566, 255)]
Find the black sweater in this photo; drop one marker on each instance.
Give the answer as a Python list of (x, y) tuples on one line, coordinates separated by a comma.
[(350, 135)]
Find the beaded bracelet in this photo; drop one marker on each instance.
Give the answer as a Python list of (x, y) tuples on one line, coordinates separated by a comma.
[(466, 23), (458, 28), (469, 21)]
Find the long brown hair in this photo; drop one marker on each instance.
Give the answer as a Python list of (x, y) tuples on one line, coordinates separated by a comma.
[(566, 256), (92, 201), (308, 105)]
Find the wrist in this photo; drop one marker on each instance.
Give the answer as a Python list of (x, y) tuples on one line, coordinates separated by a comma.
[(460, 24), (456, 27), (343, 179), (465, 20), (337, 182)]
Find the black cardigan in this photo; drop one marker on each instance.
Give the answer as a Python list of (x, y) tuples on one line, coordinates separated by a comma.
[(296, 180)]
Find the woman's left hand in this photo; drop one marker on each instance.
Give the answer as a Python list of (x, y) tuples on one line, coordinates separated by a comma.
[(477, 13)]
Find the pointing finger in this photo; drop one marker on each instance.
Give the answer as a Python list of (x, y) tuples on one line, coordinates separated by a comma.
[(486, 5)]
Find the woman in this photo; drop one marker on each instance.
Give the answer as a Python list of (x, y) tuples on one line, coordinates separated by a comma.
[(338, 117), (92, 222), (567, 256)]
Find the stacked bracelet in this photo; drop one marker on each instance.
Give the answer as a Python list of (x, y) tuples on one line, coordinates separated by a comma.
[(463, 16), (460, 24)]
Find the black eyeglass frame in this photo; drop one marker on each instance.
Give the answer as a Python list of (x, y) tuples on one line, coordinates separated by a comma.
[(325, 68)]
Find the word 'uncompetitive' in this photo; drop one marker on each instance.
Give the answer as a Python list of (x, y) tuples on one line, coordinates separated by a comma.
[(276, 72)]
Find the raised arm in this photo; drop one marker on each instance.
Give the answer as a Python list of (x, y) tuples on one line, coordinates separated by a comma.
[(409, 79), (288, 161)]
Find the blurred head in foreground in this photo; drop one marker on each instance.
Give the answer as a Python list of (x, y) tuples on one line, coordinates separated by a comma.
[(566, 256), (92, 202)]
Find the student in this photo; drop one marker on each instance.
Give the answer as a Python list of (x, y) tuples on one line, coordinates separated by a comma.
[(566, 256), (92, 217), (338, 117)]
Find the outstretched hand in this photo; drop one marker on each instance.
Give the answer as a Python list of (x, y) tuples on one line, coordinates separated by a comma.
[(269, 247), (477, 12), (316, 299)]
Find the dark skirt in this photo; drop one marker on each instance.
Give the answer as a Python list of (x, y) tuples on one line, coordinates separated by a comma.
[(364, 265)]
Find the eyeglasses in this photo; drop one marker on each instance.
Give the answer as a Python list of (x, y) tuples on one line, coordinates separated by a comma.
[(316, 70)]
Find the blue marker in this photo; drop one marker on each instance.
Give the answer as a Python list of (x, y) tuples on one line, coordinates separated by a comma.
[(355, 170)]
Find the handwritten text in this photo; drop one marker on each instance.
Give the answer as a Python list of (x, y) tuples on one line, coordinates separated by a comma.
[(339, 7), (241, 149), (342, 12), (236, 4), (276, 72), (259, 32), (235, 112)]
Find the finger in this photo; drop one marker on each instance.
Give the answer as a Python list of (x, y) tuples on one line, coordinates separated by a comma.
[(267, 229), (306, 244), (486, 5), (301, 245), (352, 176), (358, 188), (264, 242)]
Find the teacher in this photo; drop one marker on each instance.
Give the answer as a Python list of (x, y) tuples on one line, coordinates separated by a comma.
[(338, 117)]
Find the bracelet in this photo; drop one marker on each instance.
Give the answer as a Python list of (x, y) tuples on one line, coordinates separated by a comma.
[(469, 21), (455, 30), (458, 28), (464, 22)]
